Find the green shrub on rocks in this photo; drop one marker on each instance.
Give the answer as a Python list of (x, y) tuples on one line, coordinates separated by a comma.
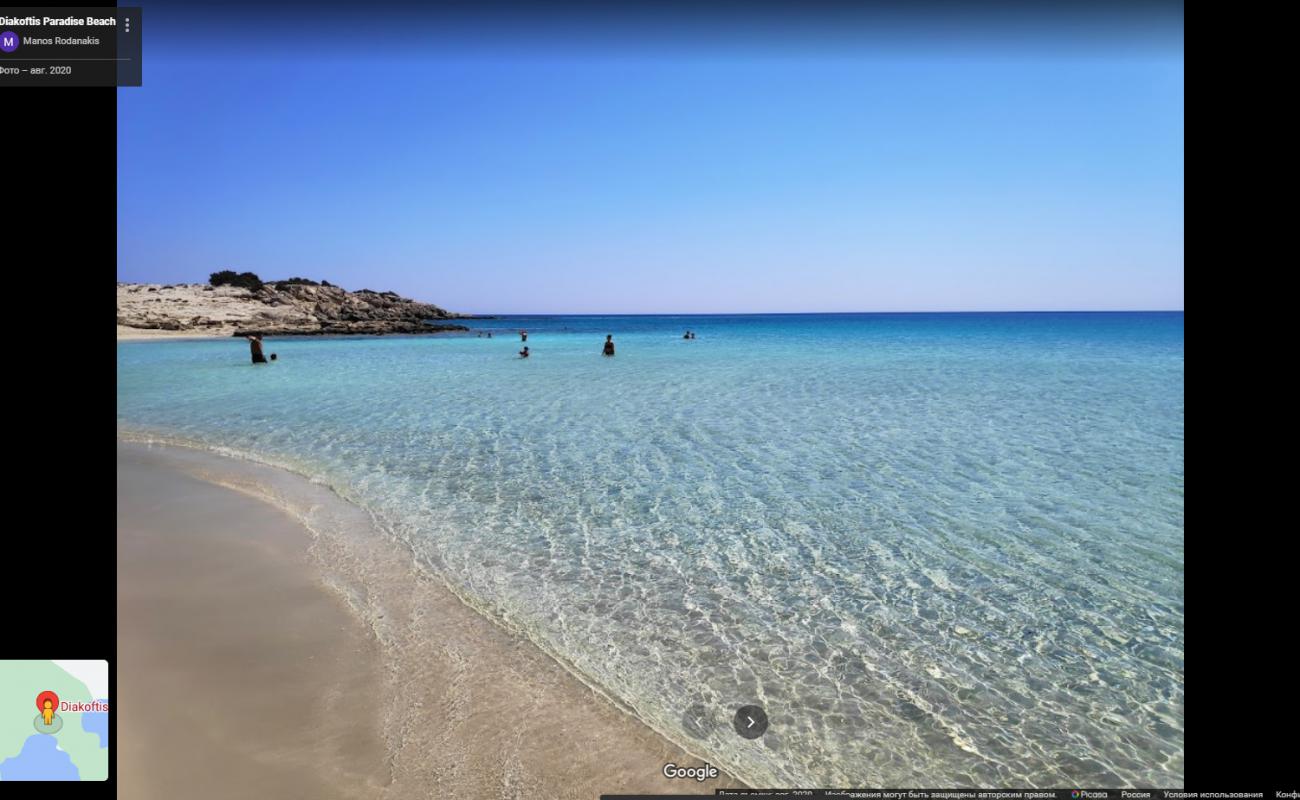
[(227, 277)]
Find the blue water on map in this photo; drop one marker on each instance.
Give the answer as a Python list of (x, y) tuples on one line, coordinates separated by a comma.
[(96, 722), (940, 549), (40, 760)]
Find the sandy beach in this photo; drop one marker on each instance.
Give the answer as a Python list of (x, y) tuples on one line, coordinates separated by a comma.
[(273, 643), (129, 334)]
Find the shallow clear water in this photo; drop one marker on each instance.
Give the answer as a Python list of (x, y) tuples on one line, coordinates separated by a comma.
[(939, 549)]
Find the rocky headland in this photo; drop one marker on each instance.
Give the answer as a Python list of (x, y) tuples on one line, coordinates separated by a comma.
[(272, 309)]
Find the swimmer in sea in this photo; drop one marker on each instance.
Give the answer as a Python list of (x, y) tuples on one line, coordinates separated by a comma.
[(255, 346)]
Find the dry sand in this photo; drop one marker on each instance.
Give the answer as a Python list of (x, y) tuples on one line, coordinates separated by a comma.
[(128, 334), (237, 675), (274, 644), (191, 305)]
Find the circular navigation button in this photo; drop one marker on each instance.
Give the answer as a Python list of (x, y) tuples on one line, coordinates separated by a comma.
[(750, 721)]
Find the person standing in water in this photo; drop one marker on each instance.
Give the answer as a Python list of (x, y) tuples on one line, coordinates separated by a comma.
[(255, 346), (609, 345)]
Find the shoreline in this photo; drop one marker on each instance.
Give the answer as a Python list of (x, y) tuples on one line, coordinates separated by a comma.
[(218, 701), (470, 708)]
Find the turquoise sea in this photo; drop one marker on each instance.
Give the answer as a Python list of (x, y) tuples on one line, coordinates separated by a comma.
[(939, 549)]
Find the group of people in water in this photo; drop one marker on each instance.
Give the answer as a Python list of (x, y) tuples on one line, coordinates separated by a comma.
[(608, 349), (255, 345)]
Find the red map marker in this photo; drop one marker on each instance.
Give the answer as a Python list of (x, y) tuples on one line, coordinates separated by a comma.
[(47, 695)]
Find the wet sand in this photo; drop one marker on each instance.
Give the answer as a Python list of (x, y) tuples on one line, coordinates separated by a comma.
[(272, 643)]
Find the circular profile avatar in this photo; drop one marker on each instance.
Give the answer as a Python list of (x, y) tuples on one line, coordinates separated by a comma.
[(47, 721)]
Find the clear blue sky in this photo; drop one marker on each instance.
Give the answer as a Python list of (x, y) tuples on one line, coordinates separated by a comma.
[(518, 173)]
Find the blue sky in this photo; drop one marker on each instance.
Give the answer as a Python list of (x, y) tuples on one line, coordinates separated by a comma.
[(512, 175)]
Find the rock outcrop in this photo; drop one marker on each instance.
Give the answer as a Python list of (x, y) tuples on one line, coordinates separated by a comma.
[(275, 310)]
